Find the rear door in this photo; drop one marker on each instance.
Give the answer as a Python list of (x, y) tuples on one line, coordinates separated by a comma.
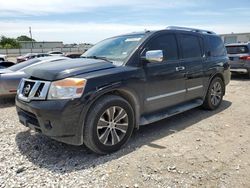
[(164, 86), (192, 57)]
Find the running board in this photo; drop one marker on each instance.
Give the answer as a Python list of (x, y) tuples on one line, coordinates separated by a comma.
[(170, 112)]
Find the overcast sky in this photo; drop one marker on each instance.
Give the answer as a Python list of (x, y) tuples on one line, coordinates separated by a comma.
[(93, 20)]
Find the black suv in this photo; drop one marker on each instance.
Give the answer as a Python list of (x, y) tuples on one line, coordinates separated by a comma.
[(124, 82)]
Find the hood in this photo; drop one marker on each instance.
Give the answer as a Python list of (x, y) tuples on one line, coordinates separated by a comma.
[(67, 68), (3, 71)]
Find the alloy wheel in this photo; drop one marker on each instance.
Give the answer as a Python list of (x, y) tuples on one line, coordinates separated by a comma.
[(112, 126), (216, 93)]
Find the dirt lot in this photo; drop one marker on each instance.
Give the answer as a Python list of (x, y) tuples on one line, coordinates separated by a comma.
[(194, 149)]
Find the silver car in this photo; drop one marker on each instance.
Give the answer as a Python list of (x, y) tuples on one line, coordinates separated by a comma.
[(239, 55), (10, 77), (3, 57)]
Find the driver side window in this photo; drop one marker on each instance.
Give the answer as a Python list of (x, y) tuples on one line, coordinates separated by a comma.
[(167, 43)]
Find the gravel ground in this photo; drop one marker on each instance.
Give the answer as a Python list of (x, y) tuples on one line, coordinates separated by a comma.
[(194, 149)]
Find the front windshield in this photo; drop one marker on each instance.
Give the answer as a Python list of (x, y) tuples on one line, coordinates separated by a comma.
[(21, 65), (115, 49)]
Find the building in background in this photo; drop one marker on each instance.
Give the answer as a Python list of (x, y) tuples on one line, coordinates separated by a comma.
[(44, 44), (235, 37)]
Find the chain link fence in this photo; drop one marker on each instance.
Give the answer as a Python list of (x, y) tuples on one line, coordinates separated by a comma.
[(22, 51)]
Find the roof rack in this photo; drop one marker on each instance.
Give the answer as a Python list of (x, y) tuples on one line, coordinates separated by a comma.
[(191, 29)]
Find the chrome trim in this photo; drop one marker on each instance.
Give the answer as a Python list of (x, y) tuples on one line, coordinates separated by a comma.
[(194, 88), (154, 56), (173, 93), (238, 70), (181, 68), (165, 95), (33, 91), (191, 29)]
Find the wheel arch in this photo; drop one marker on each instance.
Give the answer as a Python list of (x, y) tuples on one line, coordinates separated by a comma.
[(220, 75), (133, 100), (125, 93)]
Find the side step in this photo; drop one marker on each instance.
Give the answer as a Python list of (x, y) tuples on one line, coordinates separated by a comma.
[(170, 112)]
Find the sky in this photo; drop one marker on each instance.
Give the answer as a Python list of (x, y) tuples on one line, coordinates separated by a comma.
[(79, 21)]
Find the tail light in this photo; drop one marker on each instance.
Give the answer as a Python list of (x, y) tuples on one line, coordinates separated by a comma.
[(245, 57)]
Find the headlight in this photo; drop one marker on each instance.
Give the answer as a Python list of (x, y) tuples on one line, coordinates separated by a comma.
[(68, 88)]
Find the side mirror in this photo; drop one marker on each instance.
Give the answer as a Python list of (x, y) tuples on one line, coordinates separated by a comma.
[(154, 56)]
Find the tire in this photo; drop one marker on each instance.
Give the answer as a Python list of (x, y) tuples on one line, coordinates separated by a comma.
[(214, 94), (248, 73), (109, 124)]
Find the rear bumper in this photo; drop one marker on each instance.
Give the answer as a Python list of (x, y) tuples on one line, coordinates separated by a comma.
[(59, 120), (240, 67), (237, 66), (239, 70)]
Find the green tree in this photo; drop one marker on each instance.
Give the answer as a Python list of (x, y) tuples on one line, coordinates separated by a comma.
[(6, 42), (24, 38)]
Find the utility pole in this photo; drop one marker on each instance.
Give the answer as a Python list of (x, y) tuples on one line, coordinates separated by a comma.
[(31, 38)]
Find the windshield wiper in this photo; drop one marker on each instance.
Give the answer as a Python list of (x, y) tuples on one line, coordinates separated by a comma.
[(97, 57)]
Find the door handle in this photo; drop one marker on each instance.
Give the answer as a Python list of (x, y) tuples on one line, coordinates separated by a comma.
[(181, 68)]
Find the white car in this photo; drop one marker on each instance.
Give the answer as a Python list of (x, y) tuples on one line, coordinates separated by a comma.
[(3, 57), (55, 53)]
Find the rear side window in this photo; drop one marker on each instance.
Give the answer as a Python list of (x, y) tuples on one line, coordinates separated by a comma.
[(237, 49), (190, 46), (217, 47), (167, 43)]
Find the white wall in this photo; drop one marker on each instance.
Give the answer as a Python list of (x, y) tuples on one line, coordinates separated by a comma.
[(236, 37)]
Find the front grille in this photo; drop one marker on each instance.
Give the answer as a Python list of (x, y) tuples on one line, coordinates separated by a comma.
[(27, 88), (32, 90), (39, 90)]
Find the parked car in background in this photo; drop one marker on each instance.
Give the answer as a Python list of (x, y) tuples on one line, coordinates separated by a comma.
[(30, 56), (123, 82), (6, 64), (10, 77), (239, 56), (3, 57), (55, 53), (73, 55)]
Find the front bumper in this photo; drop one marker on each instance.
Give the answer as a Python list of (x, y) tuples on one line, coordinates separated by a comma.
[(59, 120)]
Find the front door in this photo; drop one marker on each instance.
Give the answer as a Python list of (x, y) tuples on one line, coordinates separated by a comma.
[(165, 81)]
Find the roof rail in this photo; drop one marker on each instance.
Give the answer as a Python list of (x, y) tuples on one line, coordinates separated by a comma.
[(190, 29)]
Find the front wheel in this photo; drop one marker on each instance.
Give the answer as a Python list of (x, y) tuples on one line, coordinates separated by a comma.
[(109, 124), (215, 94)]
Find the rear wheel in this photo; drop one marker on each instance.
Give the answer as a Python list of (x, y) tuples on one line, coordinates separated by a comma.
[(109, 124), (248, 73), (215, 94)]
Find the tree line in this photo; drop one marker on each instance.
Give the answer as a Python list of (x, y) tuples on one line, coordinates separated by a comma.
[(6, 42)]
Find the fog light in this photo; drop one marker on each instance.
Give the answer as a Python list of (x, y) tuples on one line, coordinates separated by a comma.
[(48, 125)]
